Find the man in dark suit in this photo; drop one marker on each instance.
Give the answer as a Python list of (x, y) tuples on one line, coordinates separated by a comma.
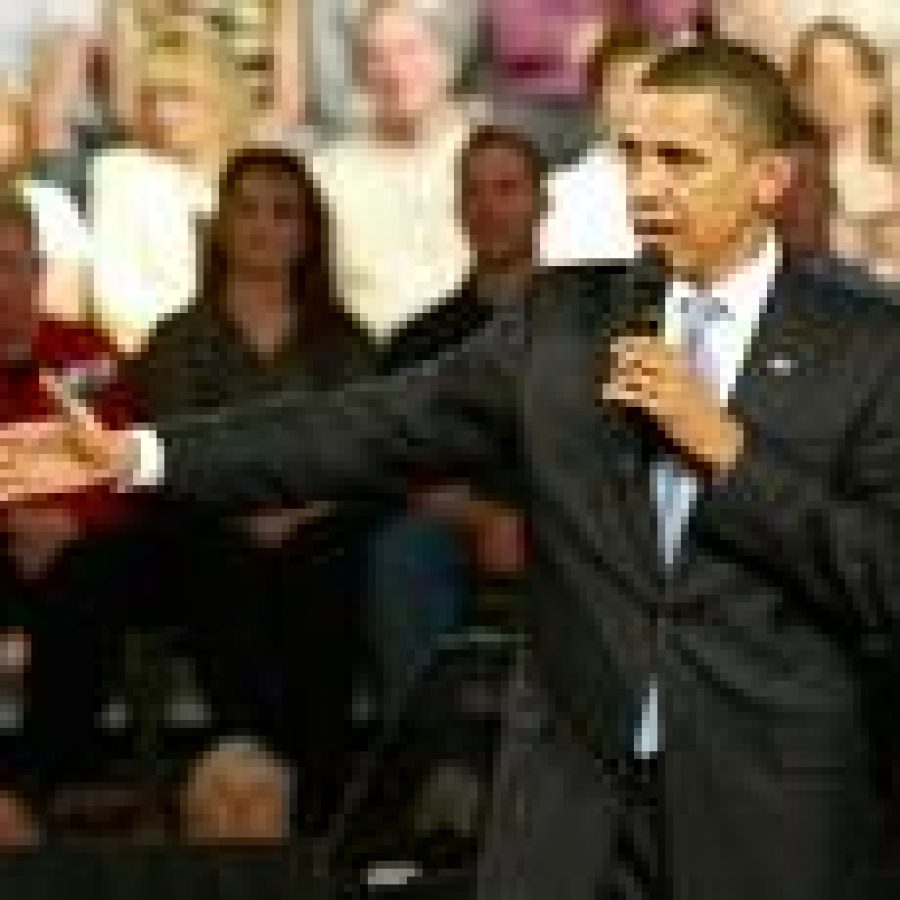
[(766, 410), (501, 199)]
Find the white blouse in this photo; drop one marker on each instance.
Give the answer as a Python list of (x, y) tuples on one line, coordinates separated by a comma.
[(145, 213), (397, 245)]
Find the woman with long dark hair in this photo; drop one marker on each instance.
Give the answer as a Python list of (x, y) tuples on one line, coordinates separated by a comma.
[(275, 617)]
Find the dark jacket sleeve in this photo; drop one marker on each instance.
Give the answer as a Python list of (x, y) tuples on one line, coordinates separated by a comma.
[(458, 409), (838, 544)]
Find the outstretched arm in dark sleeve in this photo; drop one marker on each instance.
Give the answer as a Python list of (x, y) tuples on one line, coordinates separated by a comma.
[(456, 410)]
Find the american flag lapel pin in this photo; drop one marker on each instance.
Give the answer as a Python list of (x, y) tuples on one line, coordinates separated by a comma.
[(780, 365)]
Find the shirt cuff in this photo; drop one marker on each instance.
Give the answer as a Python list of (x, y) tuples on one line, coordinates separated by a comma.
[(146, 468)]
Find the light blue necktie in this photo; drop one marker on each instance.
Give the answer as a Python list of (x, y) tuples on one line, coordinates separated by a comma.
[(675, 486)]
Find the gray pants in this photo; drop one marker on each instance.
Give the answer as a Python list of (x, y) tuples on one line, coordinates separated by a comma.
[(559, 823)]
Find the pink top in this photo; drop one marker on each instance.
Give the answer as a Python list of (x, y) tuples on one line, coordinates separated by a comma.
[(533, 40)]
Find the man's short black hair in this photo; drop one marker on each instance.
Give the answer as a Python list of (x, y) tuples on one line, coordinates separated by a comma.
[(749, 81), (488, 136)]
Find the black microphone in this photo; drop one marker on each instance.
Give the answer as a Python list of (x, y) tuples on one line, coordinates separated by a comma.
[(643, 309)]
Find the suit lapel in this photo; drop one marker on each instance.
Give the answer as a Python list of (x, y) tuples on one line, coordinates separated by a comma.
[(792, 336), (792, 339)]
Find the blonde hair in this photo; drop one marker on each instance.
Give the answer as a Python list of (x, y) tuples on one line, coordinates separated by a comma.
[(200, 61)]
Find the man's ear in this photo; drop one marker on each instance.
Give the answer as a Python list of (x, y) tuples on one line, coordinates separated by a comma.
[(775, 172)]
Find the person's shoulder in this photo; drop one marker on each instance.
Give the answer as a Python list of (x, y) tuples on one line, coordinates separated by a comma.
[(122, 157), (573, 279), (129, 172), (60, 342), (848, 294), (335, 155), (184, 328)]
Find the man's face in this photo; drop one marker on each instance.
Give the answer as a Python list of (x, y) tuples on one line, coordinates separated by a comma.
[(698, 186), (404, 68), (19, 284), (500, 206)]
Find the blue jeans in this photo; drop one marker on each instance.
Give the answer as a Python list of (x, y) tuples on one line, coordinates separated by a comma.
[(418, 590)]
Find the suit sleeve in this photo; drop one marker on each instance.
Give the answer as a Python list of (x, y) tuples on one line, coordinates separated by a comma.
[(458, 410), (838, 544)]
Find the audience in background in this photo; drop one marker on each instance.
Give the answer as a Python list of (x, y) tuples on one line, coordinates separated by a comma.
[(588, 216), (537, 52), (390, 186), (274, 591), (66, 563), (336, 103), (262, 38), (842, 78), (149, 195), (501, 200)]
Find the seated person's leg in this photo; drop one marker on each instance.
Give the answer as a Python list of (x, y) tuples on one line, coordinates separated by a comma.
[(419, 590)]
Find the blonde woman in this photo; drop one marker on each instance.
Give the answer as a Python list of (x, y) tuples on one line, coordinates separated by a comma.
[(267, 39), (149, 195)]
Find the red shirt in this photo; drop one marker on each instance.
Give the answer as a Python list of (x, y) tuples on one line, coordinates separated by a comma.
[(86, 362)]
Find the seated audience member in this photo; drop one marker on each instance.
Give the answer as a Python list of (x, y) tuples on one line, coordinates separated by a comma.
[(237, 792), (843, 80), (334, 102), (275, 626), (390, 185), (587, 217), (65, 562), (265, 39), (148, 195), (501, 198), (61, 231)]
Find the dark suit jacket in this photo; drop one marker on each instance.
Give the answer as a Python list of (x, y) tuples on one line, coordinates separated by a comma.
[(786, 594), (447, 324)]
